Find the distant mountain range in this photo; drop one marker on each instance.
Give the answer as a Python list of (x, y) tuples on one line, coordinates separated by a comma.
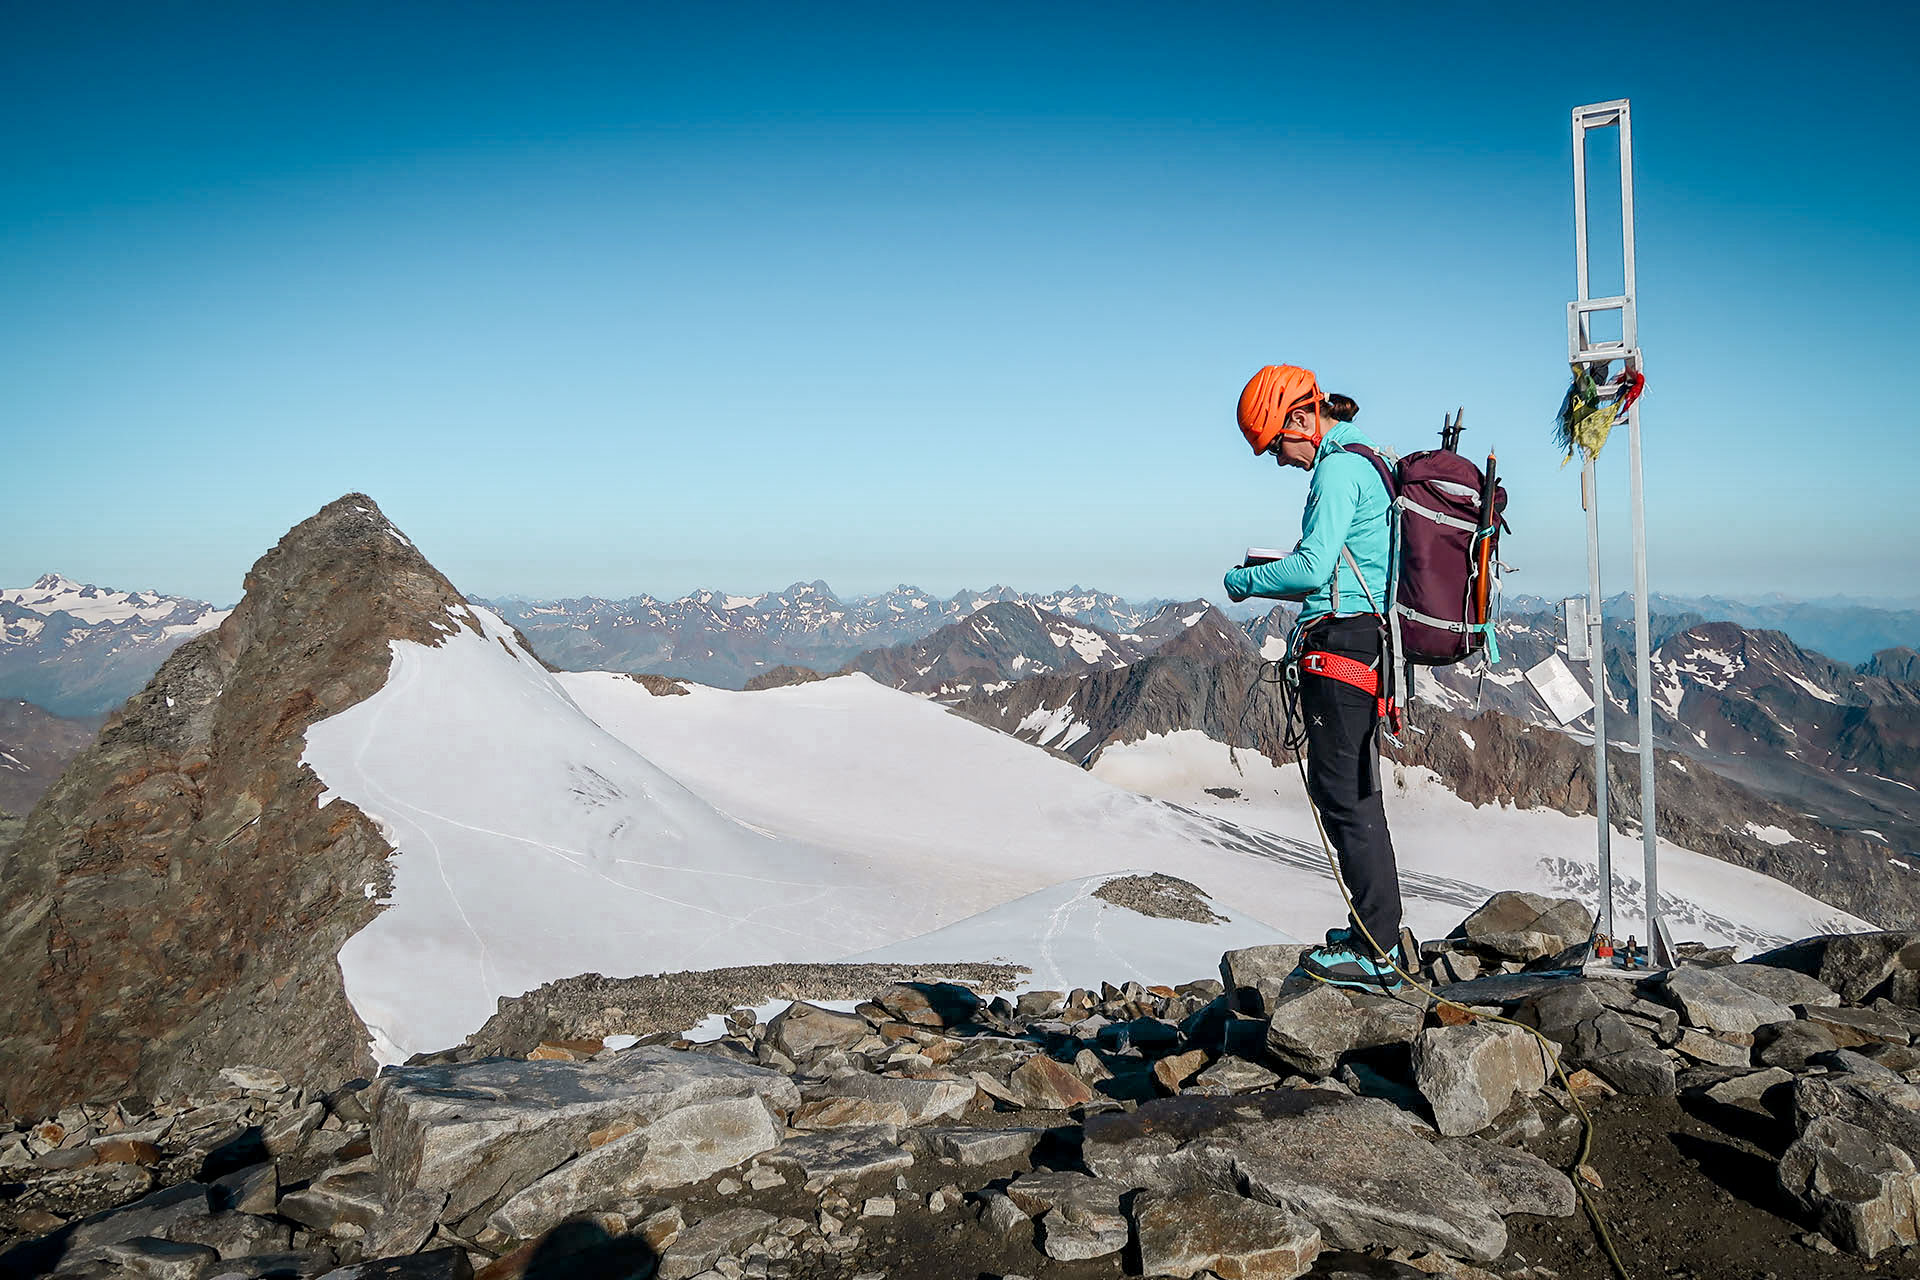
[(726, 640), (1005, 641), (82, 650)]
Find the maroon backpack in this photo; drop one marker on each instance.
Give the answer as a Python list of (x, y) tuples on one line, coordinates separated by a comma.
[(1446, 520)]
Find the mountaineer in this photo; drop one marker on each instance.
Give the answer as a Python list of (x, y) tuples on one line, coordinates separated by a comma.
[(1337, 650)]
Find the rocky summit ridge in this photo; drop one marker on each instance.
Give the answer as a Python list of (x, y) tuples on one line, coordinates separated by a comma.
[(178, 898), (1752, 1118)]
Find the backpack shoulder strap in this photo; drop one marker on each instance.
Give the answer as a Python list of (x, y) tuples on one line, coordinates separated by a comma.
[(1380, 464)]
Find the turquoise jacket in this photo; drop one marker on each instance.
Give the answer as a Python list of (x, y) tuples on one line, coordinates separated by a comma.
[(1346, 505)]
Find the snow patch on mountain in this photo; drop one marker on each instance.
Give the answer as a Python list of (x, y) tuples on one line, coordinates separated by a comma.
[(1440, 838)]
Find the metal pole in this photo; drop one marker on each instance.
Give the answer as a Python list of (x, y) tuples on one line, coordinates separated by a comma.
[(1590, 501), (1597, 669), (1657, 940)]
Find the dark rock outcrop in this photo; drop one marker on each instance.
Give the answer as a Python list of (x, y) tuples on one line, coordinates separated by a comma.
[(178, 898)]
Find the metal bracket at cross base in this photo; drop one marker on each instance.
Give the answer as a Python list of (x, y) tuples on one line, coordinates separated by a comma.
[(1584, 349)]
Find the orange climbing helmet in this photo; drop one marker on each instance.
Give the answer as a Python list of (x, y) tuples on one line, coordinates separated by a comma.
[(1270, 396)]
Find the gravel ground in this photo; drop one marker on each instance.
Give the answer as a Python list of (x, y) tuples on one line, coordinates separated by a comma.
[(590, 1006), (1161, 896)]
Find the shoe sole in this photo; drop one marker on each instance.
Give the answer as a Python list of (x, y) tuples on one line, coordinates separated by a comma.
[(1386, 986)]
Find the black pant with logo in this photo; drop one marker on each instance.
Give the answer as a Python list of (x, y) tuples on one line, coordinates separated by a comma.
[(1343, 773)]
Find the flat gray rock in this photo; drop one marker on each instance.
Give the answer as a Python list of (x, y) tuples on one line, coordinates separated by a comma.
[(1356, 1168), (1645, 1073), (708, 1240), (973, 1148), (1192, 1233), (838, 1155), (1784, 986), (483, 1130), (1747, 1091), (1517, 1181), (153, 1215), (921, 1100), (1712, 1002), (233, 1234)]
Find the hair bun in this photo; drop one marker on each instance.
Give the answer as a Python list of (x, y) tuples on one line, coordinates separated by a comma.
[(1342, 408)]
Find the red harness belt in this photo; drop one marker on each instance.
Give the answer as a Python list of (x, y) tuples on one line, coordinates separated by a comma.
[(1346, 670)]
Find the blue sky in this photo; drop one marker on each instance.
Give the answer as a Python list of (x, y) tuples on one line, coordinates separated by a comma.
[(635, 297)]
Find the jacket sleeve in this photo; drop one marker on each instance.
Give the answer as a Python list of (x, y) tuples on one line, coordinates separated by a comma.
[(1331, 501)]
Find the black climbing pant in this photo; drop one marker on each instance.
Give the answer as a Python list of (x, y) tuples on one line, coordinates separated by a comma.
[(1343, 773)]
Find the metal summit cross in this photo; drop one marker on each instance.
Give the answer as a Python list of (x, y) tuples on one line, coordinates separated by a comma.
[(1601, 330)]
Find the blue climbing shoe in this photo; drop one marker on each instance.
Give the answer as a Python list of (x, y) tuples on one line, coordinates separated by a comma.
[(1345, 965)]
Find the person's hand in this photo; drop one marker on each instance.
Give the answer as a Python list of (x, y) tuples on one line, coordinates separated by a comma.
[(1234, 582)]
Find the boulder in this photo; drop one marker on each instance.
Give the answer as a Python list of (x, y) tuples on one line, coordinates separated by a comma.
[(1712, 1002), (1526, 926), (1852, 1028), (1384, 1020), (1748, 1091), (1174, 1071), (1236, 1075), (1042, 1084), (1255, 976), (1790, 1044), (975, 1148), (1888, 1109), (1470, 1074), (1863, 1192), (802, 1030), (1894, 1057), (1646, 1073), (1517, 1181), (1712, 1050), (406, 1225), (484, 1130), (1856, 965), (1310, 1028), (1606, 1034), (1191, 1233), (847, 1113), (254, 1189), (1073, 1232), (1557, 1011), (707, 1241), (1783, 986), (843, 1155), (930, 1004), (921, 1100), (337, 1204), (153, 1215), (235, 1235), (1356, 1168)]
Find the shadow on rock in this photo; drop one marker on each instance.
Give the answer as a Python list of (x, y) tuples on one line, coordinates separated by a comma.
[(584, 1251), (1741, 1174)]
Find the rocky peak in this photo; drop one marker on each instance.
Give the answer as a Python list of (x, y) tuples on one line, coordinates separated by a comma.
[(178, 898)]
